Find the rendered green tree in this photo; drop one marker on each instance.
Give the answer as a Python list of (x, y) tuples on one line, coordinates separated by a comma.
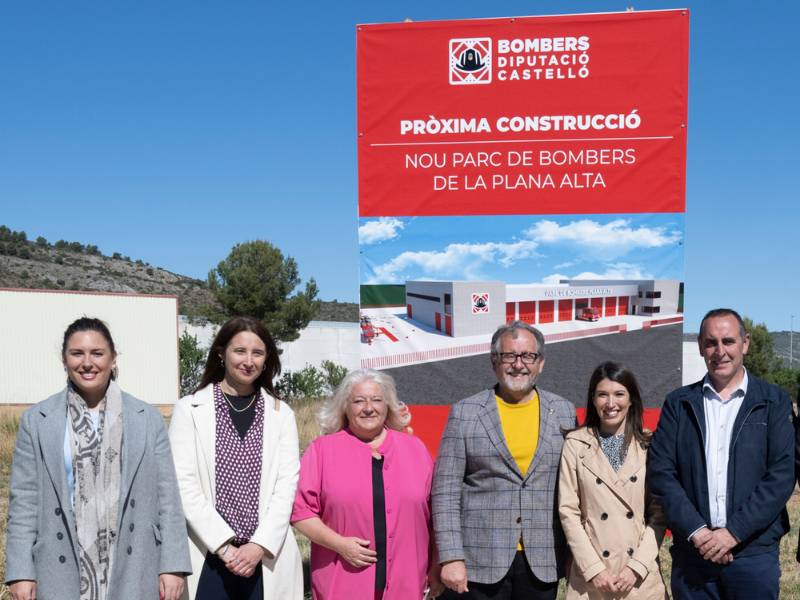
[(257, 280)]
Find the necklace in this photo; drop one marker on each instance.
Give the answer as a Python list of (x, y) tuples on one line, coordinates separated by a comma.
[(233, 408)]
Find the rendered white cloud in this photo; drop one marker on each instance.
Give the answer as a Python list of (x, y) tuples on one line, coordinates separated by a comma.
[(619, 270), (385, 228), (456, 261), (602, 241), (566, 265)]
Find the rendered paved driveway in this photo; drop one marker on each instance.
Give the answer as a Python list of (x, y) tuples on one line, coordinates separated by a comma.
[(655, 356)]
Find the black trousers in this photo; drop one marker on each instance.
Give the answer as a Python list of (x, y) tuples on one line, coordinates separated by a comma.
[(217, 583), (518, 584)]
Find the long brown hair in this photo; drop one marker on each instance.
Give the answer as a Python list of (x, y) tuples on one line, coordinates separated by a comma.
[(214, 371), (633, 420)]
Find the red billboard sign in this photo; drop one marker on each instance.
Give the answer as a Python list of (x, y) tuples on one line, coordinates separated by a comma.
[(533, 115)]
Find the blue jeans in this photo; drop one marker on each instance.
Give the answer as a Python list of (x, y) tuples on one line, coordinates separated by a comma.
[(746, 578)]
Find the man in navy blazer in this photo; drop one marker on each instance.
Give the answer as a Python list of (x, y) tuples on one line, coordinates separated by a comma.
[(721, 464)]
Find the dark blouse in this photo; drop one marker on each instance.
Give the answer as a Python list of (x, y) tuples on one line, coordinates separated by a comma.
[(379, 517), (245, 413)]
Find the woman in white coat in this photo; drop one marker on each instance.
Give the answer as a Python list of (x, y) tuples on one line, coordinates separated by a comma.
[(236, 456)]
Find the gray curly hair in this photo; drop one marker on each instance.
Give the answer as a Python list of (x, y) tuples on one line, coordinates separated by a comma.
[(332, 414)]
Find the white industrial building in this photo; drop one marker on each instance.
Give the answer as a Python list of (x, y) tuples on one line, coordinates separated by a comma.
[(463, 308), (318, 342), (32, 322)]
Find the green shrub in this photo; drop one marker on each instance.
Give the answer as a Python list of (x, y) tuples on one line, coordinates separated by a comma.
[(305, 383), (333, 374), (192, 361)]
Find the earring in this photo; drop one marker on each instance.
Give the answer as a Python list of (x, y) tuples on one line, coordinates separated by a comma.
[(221, 362)]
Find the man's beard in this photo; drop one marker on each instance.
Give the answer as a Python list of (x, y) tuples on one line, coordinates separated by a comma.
[(514, 384)]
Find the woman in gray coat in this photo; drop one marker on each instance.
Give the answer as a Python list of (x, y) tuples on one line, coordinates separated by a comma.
[(94, 509)]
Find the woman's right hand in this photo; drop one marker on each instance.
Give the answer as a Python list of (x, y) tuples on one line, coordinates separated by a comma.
[(23, 590), (356, 551), (605, 582)]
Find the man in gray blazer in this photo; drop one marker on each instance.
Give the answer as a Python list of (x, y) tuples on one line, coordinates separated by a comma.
[(494, 488)]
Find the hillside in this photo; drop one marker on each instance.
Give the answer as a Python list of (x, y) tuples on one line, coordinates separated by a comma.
[(74, 266)]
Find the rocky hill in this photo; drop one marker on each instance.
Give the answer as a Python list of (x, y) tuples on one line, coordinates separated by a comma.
[(74, 266)]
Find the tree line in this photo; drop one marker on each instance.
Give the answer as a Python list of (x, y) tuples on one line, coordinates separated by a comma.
[(16, 243), (761, 359)]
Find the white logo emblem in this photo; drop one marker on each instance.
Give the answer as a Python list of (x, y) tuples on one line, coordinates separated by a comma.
[(470, 61)]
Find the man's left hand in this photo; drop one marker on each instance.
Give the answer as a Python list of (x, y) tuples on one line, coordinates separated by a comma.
[(717, 548), (248, 558)]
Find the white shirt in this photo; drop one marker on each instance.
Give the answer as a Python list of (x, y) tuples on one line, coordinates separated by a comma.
[(720, 416), (95, 416)]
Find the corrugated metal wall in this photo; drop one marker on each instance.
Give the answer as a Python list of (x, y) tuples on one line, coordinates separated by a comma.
[(32, 325)]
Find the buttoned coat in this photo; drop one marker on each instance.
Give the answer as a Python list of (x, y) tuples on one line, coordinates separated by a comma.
[(192, 433), (42, 538), (608, 518), (482, 504)]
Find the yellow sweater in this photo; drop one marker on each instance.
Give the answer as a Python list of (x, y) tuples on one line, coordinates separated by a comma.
[(521, 429)]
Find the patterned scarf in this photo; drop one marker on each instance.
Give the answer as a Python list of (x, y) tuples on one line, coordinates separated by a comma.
[(97, 465)]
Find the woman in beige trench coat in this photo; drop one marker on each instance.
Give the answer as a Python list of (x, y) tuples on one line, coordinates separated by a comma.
[(612, 525)]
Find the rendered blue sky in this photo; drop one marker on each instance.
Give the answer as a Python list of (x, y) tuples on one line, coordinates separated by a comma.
[(170, 131), (522, 249)]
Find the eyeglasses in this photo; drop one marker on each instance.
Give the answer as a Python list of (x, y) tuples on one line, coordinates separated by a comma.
[(509, 358)]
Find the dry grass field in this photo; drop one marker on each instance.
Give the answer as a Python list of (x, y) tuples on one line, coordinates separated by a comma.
[(308, 430)]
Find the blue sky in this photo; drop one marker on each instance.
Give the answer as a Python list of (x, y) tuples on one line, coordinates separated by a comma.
[(522, 249), (170, 131)]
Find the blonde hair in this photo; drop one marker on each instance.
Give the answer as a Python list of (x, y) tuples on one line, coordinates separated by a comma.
[(332, 414)]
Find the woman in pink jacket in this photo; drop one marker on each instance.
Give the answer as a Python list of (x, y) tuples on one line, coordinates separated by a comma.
[(363, 498)]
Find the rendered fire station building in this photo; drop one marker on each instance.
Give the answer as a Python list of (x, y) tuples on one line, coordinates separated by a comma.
[(466, 308)]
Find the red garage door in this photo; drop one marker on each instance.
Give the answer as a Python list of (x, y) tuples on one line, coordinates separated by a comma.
[(438, 318), (598, 304), (622, 305), (546, 309), (511, 311), (448, 325), (565, 310), (527, 312), (611, 307), (408, 311)]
